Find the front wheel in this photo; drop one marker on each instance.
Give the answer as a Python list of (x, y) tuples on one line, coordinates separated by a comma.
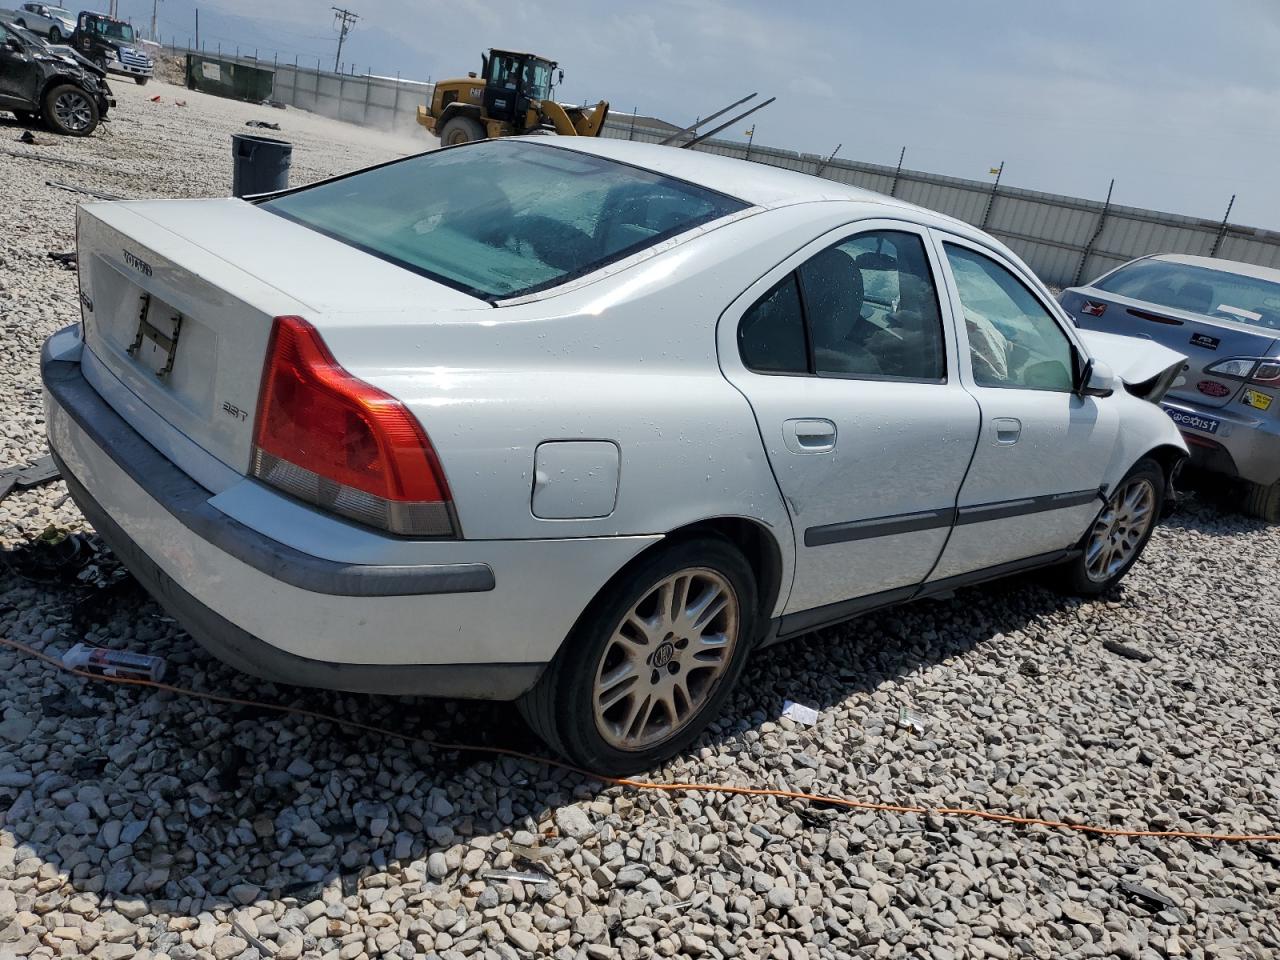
[(651, 661), (1121, 531), (55, 35), (141, 81), (70, 110), (459, 130)]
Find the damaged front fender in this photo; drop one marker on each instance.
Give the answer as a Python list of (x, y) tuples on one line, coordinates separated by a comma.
[(1146, 368)]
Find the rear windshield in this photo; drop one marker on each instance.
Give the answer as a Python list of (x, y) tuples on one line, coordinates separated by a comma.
[(1214, 293), (500, 219)]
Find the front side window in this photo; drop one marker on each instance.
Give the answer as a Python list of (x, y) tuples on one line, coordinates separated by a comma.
[(1013, 340), (500, 219), (537, 79), (873, 309)]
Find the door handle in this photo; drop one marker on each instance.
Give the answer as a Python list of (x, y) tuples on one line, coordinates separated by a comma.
[(1008, 429), (809, 436)]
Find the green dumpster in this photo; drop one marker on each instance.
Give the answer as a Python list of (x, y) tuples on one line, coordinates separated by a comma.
[(229, 78)]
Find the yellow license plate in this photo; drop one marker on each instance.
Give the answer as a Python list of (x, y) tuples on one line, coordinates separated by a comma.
[(1262, 401)]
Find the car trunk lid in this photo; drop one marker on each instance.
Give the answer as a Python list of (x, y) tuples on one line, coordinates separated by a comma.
[(1202, 340), (179, 297)]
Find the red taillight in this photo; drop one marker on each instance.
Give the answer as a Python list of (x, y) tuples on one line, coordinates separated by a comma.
[(1093, 308), (1268, 372), (342, 444)]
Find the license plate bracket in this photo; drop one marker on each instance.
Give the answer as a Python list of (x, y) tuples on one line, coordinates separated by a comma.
[(163, 344)]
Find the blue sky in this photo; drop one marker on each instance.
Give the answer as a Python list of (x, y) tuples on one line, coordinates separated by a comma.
[(1179, 100)]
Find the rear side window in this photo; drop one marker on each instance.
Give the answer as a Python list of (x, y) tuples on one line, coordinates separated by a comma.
[(500, 219), (771, 334), (873, 309), (866, 308)]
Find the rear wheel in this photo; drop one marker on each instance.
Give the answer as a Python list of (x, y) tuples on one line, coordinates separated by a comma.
[(651, 661), (1264, 501), (461, 130), (70, 110), (1121, 531)]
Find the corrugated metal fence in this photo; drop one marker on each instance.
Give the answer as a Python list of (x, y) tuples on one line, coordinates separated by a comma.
[(383, 102), (387, 103), (1061, 238)]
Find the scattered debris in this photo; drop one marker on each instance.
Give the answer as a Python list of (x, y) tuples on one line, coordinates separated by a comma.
[(96, 607), (114, 663), (531, 854), (67, 259), (1150, 898), (524, 876), (67, 703), (1125, 650), (33, 475), (156, 99), (29, 137), (86, 768), (262, 123), (179, 103), (85, 190), (263, 949), (908, 719), (56, 555), (798, 712)]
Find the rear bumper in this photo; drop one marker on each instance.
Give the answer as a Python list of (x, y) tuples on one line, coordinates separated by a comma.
[(247, 653), (1242, 445), (460, 627)]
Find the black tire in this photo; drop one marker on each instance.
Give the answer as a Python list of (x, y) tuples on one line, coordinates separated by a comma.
[(1263, 501), (21, 23), (1079, 580), (141, 81), (79, 121), (561, 709), (55, 35), (460, 129)]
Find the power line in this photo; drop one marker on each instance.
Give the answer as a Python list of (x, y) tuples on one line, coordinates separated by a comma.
[(344, 20)]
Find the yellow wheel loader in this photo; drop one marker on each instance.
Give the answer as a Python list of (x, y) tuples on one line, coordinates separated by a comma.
[(511, 97)]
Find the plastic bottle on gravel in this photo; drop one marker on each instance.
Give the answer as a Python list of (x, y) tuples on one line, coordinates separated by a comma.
[(114, 663)]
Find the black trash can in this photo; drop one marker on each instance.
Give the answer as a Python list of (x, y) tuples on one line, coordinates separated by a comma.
[(259, 164)]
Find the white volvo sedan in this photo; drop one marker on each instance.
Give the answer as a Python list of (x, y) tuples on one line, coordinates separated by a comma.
[(582, 423)]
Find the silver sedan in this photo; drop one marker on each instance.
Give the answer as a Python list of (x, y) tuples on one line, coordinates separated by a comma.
[(583, 423)]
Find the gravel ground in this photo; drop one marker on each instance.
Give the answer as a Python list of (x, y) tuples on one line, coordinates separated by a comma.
[(136, 824)]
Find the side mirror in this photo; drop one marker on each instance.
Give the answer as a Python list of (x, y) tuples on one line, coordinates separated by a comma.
[(562, 76), (12, 44), (1099, 380)]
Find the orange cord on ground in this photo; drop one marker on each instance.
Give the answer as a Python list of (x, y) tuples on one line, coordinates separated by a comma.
[(651, 785)]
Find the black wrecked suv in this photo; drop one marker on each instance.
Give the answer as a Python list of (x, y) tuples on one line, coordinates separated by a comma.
[(54, 84)]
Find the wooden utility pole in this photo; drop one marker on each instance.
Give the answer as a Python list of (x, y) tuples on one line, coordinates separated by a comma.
[(344, 20)]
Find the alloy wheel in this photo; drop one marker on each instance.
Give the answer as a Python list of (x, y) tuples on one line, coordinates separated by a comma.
[(1118, 532), (665, 658), (73, 110)]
